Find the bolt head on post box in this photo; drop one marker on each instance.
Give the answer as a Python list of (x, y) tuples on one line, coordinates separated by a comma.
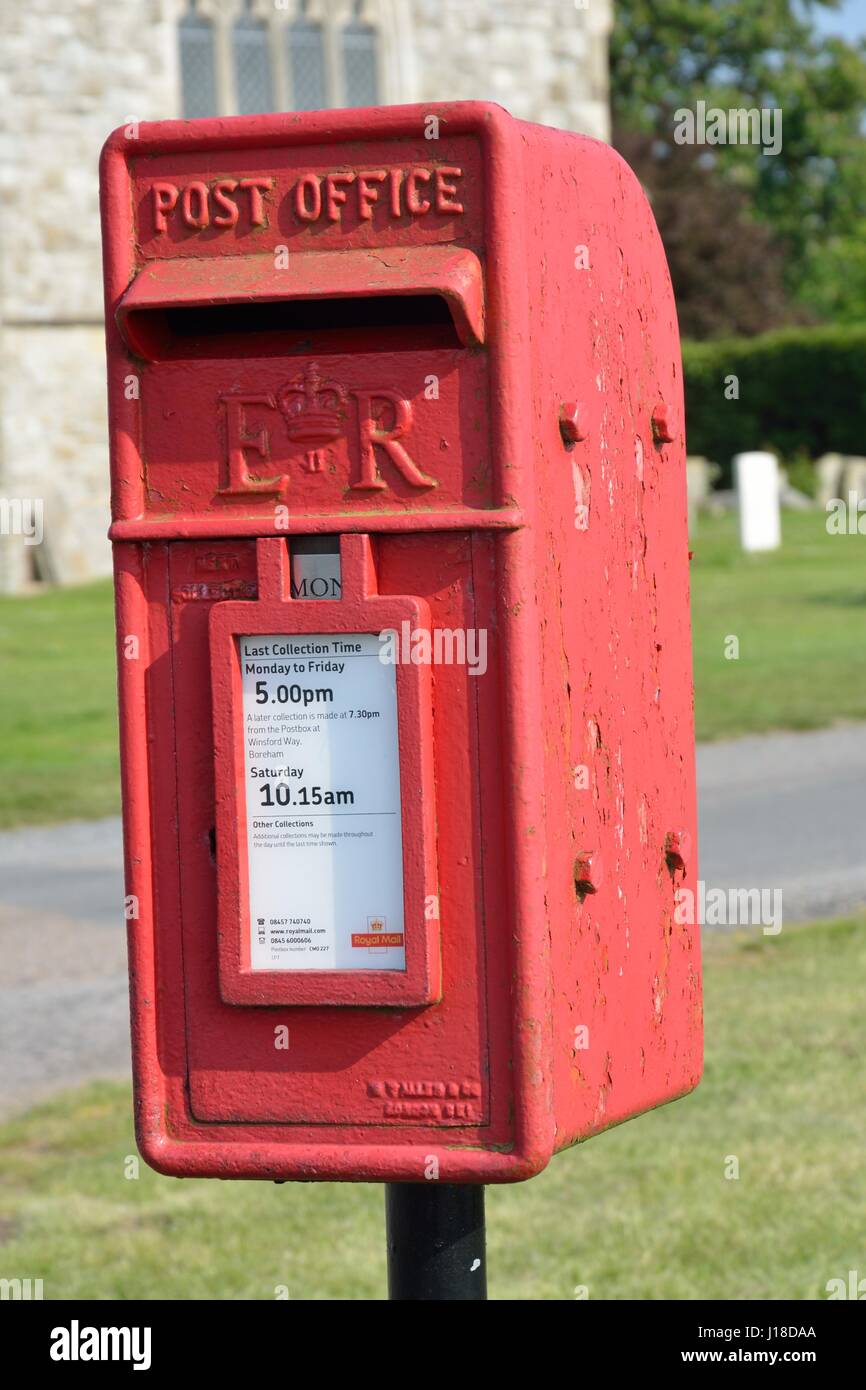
[(408, 838)]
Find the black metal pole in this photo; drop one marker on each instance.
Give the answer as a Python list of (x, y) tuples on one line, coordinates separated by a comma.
[(436, 1241)]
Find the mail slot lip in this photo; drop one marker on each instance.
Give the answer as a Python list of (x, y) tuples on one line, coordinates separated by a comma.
[(453, 272)]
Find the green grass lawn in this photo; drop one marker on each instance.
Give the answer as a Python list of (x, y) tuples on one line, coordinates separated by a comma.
[(798, 614), (643, 1211), (58, 722)]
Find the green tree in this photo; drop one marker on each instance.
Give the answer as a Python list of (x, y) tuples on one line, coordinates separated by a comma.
[(669, 54), (726, 269)]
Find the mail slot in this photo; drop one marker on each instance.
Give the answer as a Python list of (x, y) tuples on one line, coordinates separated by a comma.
[(399, 523)]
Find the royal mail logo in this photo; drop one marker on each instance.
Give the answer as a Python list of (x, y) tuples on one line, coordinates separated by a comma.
[(376, 937), (317, 412), (367, 941)]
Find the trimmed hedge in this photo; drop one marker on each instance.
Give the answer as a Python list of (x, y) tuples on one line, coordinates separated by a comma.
[(802, 391)]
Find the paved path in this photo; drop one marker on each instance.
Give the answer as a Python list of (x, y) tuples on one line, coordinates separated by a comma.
[(785, 811), (63, 1000)]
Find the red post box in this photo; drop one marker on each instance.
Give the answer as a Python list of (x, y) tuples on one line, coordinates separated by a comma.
[(405, 826)]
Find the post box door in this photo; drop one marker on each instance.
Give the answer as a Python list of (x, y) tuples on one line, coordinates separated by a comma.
[(365, 1047)]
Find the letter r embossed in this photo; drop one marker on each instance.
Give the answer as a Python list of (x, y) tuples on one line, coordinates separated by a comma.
[(371, 433)]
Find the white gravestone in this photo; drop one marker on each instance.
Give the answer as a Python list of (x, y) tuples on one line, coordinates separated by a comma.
[(854, 478), (829, 469), (757, 481)]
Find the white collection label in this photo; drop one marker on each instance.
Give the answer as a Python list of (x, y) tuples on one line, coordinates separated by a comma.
[(324, 831)]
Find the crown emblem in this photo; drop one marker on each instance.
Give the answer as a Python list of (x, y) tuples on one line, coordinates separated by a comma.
[(313, 408), (376, 924)]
